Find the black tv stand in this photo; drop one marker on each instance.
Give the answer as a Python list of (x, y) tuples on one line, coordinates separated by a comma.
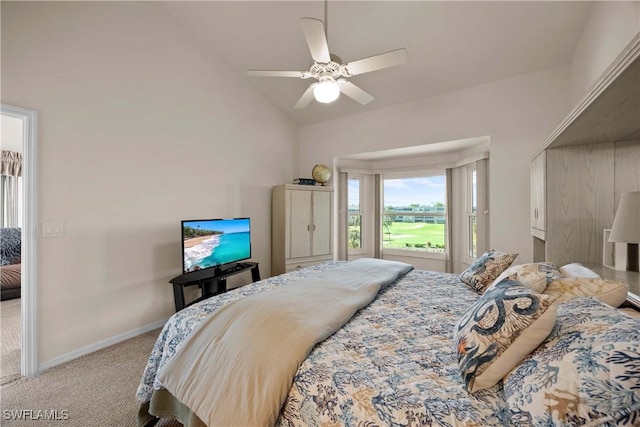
[(211, 281)]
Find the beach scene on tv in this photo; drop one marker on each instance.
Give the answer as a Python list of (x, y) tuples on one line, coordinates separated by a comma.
[(211, 243)]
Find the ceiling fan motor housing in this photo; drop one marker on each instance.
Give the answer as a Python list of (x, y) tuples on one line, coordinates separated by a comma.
[(332, 69)]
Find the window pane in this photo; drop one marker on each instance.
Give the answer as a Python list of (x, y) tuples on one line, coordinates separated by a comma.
[(354, 195), (354, 232), (473, 237), (415, 214)]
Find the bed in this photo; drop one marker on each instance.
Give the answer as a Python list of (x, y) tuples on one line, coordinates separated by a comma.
[(396, 362)]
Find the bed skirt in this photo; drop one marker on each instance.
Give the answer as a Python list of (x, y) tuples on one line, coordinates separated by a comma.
[(164, 405)]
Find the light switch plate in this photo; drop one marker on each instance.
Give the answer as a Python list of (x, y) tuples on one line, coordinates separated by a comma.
[(52, 229)]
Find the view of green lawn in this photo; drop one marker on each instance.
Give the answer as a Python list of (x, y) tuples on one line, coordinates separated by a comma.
[(406, 235)]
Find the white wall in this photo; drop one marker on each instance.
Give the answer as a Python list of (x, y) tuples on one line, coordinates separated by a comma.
[(611, 26), (517, 114), (12, 135), (139, 127)]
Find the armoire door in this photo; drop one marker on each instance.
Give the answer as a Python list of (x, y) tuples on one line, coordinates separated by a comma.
[(300, 208), (321, 238)]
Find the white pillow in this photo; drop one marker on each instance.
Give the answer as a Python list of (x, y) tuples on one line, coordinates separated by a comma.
[(578, 270)]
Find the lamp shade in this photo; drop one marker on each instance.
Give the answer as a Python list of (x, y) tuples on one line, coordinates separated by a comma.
[(326, 91), (626, 224)]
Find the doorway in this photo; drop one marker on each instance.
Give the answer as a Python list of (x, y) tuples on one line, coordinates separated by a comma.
[(27, 120)]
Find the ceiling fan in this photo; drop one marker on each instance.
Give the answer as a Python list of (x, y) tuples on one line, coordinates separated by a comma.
[(329, 70)]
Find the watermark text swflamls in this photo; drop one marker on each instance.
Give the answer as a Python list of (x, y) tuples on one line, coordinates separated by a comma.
[(36, 414)]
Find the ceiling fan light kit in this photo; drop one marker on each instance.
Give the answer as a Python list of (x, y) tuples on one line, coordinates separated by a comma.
[(329, 70), (326, 91)]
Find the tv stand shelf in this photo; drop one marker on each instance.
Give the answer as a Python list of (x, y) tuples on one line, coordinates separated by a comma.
[(211, 281)]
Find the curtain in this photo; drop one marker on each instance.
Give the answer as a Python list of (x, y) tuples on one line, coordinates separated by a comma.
[(482, 171), (343, 217), (377, 215), (11, 163), (10, 173)]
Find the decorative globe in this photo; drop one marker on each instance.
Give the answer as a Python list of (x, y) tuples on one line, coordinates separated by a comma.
[(321, 173)]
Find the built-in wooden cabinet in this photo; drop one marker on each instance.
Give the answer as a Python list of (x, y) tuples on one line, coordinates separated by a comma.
[(579, 173), (538, 195), (301, 233), (581, 190)]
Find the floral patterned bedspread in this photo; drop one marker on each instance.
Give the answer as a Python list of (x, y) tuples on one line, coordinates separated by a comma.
[(393, 364)]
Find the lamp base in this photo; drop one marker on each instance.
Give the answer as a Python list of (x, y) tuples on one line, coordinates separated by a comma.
[(632, 257)]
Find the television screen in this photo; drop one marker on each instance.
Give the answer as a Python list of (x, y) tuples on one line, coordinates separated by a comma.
[(214, 242)]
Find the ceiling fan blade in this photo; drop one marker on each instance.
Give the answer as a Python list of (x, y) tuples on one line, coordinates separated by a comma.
[(354, 92), (316, 39), (306, 97), (377, 62), (274, 73)]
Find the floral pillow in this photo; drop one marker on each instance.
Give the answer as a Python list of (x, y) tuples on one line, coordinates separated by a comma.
[(534, 275), (485, 269), (609, 292), (502, 328), (586, 373)]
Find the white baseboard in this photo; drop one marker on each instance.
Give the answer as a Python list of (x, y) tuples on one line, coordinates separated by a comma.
[(100, 345)]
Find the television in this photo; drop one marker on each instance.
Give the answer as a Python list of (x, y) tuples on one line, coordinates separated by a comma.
[(215, 243)]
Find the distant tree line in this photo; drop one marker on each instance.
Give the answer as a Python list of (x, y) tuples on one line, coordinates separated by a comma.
[(190, 232), (354, 231)]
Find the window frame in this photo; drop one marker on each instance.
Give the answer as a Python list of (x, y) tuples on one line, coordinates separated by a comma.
[(470, 213), (426, 173), (361, 197)]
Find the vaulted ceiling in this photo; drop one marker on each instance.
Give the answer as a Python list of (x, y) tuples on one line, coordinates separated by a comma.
[(451, 45)]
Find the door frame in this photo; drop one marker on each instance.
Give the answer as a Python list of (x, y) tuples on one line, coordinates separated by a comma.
[(29, 260)]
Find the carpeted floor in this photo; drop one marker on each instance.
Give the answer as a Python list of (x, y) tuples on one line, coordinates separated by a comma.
[(10, 325), (95, 390)]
